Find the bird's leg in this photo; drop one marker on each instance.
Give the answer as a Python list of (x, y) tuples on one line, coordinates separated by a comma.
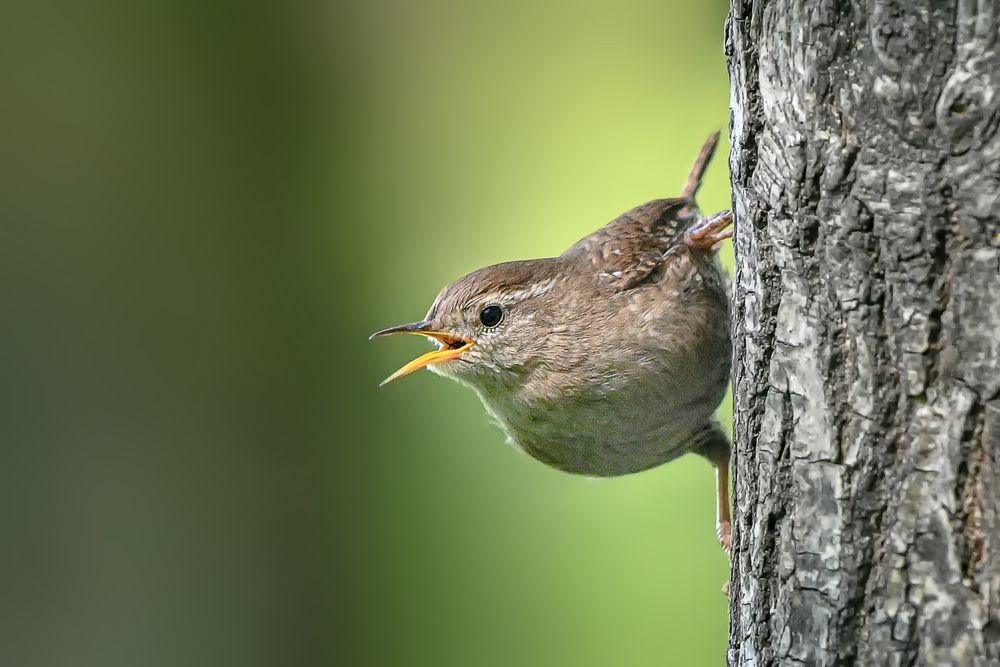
[(723, 522), (716, 450), (708, 233)]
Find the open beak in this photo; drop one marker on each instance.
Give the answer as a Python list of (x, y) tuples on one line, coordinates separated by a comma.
[(452, 347)]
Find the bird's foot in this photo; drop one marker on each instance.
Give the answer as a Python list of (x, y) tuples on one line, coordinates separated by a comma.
[(708, 233), (724, 531)]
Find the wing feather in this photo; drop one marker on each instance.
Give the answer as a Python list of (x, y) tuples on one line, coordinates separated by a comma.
[(630, 248)]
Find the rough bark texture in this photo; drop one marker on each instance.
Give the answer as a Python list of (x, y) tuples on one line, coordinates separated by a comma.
[(866, 185)]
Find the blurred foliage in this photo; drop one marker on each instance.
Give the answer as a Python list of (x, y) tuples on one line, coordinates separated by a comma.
[(206, 208)]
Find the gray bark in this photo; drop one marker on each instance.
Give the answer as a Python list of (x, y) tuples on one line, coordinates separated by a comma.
[(866, 184)]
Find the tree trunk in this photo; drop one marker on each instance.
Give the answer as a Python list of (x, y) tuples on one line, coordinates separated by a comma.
[(866, 185)]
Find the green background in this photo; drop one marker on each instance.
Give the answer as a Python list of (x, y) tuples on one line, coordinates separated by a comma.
[(206, 209)]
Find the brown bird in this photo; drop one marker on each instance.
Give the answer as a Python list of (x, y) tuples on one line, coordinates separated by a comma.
[(609, 359)]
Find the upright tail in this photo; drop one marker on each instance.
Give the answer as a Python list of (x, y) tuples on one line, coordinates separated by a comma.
[(700, 165)]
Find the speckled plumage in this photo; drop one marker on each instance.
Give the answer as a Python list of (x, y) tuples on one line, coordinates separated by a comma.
[(608, 362), (612, 357)]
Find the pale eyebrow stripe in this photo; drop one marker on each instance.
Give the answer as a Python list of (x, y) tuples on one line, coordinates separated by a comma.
[(544, 287)]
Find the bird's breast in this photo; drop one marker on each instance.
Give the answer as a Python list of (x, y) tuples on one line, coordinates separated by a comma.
[(600, 433)]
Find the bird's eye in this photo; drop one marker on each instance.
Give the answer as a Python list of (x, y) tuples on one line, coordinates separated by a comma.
[(490, 316)]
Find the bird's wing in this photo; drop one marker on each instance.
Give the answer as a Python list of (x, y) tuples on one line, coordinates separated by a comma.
[(630, 248)]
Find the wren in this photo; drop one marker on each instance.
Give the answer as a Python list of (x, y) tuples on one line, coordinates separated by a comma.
[(608, 359)]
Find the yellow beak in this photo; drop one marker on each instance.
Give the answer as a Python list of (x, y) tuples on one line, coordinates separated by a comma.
[(452, 347)]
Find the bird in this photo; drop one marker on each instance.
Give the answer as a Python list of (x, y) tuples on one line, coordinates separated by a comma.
[(609, 359)]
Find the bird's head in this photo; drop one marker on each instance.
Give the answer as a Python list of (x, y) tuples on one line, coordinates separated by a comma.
[(490, 326)]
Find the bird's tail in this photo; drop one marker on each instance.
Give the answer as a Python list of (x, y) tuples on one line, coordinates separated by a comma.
[(700, 165)]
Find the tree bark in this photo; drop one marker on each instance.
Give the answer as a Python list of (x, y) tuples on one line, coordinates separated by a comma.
[(866, 184)]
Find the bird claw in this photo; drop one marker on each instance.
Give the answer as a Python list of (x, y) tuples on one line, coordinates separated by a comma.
[(708, 233), (724, 532)]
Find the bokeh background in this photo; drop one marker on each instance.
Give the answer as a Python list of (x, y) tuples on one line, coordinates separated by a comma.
[(206, 207)]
